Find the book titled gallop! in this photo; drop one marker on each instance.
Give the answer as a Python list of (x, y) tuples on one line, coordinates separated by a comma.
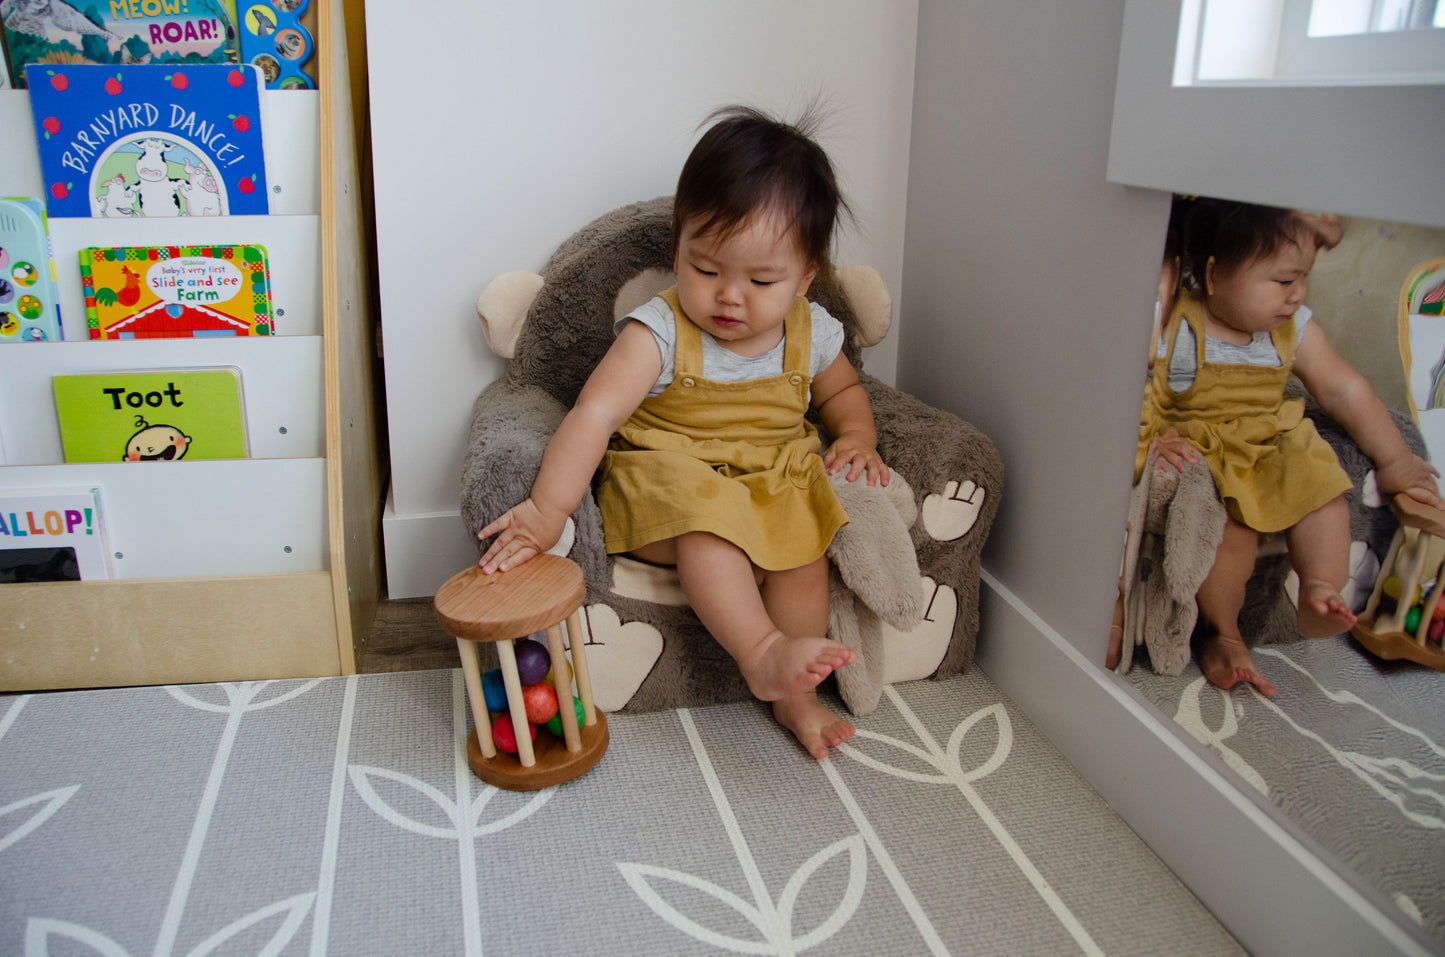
[(146, 140)]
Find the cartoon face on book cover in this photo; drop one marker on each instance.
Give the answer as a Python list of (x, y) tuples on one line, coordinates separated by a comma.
[(146, 140)]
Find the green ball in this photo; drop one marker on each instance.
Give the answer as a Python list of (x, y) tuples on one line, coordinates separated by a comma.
[(1412, 619), (554, 723)]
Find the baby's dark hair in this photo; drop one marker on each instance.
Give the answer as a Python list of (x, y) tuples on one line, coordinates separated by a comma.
[(1233, 233), (749, 161)]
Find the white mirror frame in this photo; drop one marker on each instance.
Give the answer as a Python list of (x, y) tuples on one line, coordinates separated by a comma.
[(1370, 151)]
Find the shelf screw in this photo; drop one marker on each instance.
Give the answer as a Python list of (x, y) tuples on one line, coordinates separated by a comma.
[(282, 430), (287, 549)]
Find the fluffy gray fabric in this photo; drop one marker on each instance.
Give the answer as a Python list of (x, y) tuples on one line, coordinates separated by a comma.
[(567, 330)]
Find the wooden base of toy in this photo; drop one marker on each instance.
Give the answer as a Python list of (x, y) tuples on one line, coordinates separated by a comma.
[(1385, 635), (554, 763), (500, 608)]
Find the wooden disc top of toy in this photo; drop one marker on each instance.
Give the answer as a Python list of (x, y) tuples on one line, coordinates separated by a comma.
[(1418, 515), (511, 604)]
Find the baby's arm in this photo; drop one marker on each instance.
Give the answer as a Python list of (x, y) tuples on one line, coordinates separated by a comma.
[(843, 405), (1349, 400), (612, 393)]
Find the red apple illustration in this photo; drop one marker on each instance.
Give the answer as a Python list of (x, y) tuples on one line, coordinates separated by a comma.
[(178, 80), (52, 125), (235, 78), (60, 190), (241, 123), (112, 85), (58, 80), (246, 185)]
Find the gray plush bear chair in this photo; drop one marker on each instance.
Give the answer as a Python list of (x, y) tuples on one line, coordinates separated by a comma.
[(905, 579)]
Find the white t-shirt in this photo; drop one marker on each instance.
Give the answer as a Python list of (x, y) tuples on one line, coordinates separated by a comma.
[(1260, 351), (723, 365)]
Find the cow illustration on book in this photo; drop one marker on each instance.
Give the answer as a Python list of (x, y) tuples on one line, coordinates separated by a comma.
[(156, 443)]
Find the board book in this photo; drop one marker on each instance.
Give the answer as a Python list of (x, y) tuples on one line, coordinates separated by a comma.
[(154, 415), (275, 36), (155, 292), (174, 32), (29, 301), (51, 535), (143, 141)]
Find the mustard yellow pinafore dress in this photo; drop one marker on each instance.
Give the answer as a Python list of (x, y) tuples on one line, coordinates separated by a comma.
[(1269, 464), (736, 459)]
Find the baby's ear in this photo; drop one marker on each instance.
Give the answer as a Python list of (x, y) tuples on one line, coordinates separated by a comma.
[(868, 296), (503, 306)]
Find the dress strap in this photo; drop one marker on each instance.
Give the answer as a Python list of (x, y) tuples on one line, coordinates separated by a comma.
[(798, 332), (687, 352)]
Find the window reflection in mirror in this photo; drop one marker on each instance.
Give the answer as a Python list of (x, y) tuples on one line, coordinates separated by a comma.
[(1285, 322)]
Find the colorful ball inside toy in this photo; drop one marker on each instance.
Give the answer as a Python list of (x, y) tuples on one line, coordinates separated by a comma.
[(540, 701), (533, 661), (494, 690), (1412, 619), (1436, 632), (567, 665), (554, 724), (506, 736)]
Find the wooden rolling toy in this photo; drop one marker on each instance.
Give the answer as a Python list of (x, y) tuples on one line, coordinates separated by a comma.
[(473, 606), (1387, 635)]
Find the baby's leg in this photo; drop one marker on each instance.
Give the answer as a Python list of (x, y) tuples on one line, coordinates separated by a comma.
[(1219, 647), (719, 581), (797, 601), (1319, 551)]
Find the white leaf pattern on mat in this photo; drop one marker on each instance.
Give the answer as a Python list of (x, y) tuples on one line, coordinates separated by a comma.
[(1190, 717), (293, 910), (772, 919), (946, 766), (1399, 780), (52, 803), (39, 931)]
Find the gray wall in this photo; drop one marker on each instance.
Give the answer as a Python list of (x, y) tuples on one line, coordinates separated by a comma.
[(1029, 283)]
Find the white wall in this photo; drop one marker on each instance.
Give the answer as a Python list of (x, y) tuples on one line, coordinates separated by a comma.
[(1029, 281), (526, 120)]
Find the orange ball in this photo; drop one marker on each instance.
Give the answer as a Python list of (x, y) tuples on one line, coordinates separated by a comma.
[(540, 701)]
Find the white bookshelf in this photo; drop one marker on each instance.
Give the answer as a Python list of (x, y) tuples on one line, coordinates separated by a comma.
[(221, 570)]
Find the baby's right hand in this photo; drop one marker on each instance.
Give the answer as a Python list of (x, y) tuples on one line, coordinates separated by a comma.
[(1174, 449), (523, 532), (1413, 476)]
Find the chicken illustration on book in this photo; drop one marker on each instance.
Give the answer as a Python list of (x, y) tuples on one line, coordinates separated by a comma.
[(153, 292), (148, 140)]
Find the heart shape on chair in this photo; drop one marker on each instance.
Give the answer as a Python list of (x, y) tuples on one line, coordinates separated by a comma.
[(619, 657), (917, 654)]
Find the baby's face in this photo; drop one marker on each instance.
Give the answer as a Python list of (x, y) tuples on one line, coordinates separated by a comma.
[(739, 288), (1264, 293)]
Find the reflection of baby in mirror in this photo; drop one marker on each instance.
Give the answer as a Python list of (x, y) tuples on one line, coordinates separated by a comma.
[(1226, 349)]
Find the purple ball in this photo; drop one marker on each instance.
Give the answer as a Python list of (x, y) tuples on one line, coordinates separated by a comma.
[(533, 661)]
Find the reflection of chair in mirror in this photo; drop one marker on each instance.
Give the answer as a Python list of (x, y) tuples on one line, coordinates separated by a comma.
[(1410, 629)]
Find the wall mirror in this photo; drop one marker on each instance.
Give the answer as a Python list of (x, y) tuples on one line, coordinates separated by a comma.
[(1358, 148), (1350, 748)]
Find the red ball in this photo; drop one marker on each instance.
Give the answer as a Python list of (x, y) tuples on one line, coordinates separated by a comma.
[(540, 701), (506, 736)]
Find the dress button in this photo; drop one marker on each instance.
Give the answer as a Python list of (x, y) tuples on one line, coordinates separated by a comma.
[(688, 381), (795, 378)]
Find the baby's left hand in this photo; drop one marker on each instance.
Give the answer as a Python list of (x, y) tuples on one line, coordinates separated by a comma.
[(1413, 476), (858, 458)]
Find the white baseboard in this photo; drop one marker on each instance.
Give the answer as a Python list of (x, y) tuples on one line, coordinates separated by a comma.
[(1271, 890), (423, 550)]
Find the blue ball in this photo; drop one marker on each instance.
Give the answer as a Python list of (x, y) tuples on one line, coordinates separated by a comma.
[(533, 661), (494, 690)]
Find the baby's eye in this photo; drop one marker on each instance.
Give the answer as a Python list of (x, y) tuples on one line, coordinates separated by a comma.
[(764, 282), (704, 272)]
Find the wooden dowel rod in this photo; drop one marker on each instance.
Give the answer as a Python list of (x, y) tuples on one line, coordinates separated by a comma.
[(564, 689), (577, 642), (472, 673), (507, 655)]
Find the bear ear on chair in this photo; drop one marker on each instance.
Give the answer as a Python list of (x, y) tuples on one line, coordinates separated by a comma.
[(503, 307), (872, 304)]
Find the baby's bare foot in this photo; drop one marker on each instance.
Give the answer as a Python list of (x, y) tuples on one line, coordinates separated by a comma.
[(783, 667), (1322, 610), (816, 728), (1225, 661)]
